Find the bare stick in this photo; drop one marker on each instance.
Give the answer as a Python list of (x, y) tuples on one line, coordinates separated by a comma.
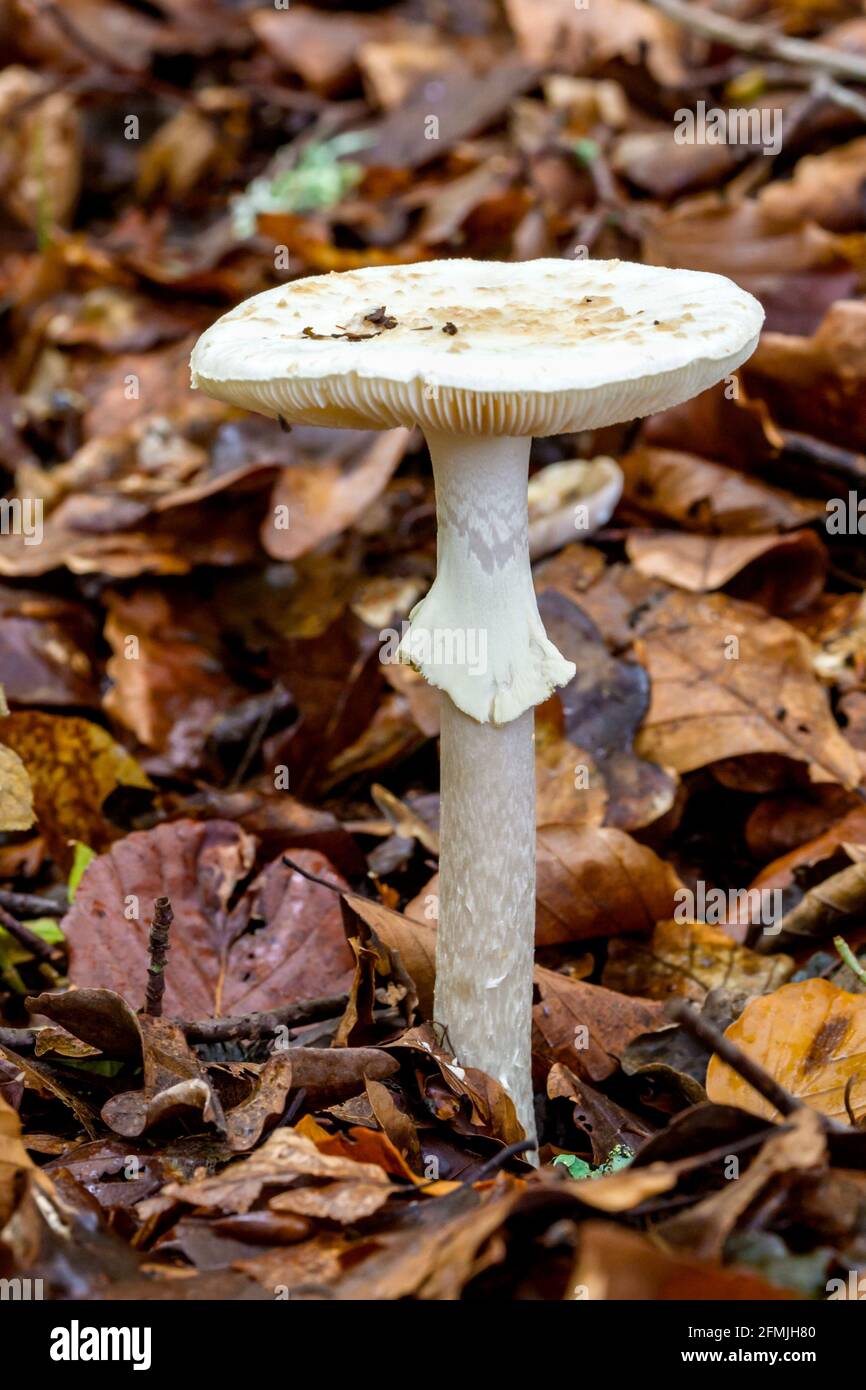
[(260, 1025), (766, 1085), (763, 42), (159, 927), (27, 938), (30, 905)]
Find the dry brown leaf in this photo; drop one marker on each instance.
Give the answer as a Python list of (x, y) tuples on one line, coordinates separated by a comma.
[(344, 1201), (16, 794), (216, 963), (727, 681), (284, 1156), (811, 1037), (586, 38), (826, 188), (598, 881), (698, 495), (690, 959), (312, 502), (796, 272), (816, 383), (587, 1027), (833, 905), (782, 573)]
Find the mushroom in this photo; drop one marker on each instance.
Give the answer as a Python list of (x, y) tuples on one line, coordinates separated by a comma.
[(483, 356), (570, 500)]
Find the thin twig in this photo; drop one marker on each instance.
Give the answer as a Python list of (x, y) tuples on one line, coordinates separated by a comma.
[(763, 42), (158, 944), (42, 950), (305, 873), (761, 1081), (30, 905)]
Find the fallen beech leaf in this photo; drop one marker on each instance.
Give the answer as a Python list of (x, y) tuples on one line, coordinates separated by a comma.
[(345, 1202), (605, 1124), (73, 767), (320, 48), (690, 959), (728, 681), (580, 40), (598, 881), (396, 1123), (851, 829), (393, 67), (46, 650), (796, 272), (623, 1191), (360, 1144), (98, 1017), (826, 188), (413, 943), (587, 1027), (782, 573), (176, 1085), (284, 1156), (176, 687), (321, 500), (216, 963), (671, 485), (799, 377), (811, 1037), (601, 709)]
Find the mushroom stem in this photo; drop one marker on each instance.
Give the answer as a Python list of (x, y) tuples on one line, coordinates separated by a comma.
[(486, 935), (478, 634)]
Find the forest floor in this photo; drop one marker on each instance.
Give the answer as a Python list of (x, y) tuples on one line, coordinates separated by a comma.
[(198, 729)]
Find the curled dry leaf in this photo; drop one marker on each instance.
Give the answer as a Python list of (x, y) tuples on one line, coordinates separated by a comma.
[(284, 1156), (312, 502), (727, 681), (798, 376), (690, 959), (833, 905), (810, 1036), (671, 485), (74, 767), (782, 573)]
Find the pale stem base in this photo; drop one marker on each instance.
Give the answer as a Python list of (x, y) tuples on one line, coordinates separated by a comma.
[(486, 936)]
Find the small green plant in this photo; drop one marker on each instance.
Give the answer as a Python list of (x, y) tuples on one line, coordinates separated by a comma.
[(578, 1168), (319, 179)]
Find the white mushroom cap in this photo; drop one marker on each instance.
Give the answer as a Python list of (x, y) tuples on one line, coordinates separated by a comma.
[(480, 347)]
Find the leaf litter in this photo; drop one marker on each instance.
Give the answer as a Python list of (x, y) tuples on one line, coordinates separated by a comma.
[(195, 711)]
